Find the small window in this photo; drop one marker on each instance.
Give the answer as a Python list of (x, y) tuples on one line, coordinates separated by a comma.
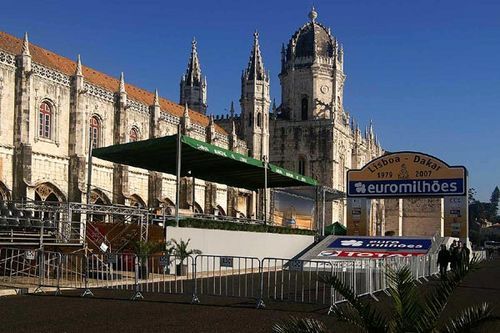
[(259, 119), (45, 120), (305, 108), (95, 131), (302, 166), (134, 134)]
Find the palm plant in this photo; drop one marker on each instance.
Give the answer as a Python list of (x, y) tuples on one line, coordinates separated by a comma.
[(410, 313), (180, 251)]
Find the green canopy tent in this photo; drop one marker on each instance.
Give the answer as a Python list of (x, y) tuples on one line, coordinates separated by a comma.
[(201, 160)]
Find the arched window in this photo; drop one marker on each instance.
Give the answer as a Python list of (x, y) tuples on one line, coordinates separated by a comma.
[(134, 134), (45, 120), (302, 166), (304, 108), (259, 119), (95, 131)]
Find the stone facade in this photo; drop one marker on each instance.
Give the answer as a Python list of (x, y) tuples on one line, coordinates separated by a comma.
[(52, 109), (310, 132)]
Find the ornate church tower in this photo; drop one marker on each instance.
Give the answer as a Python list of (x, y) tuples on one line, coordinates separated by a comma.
[(255, 101), (193, 86), (312, 77)]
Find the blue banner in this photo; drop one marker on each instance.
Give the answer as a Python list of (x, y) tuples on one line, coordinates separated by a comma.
[(382, 244), (406, 187)]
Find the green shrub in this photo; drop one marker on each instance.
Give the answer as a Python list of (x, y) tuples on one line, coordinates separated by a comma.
[(232, 226)]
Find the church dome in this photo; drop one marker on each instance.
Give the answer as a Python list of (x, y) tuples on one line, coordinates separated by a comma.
[(311, 40)]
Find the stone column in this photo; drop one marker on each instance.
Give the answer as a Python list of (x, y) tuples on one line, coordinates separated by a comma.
[(22, 105), (154, 178), (120, 172), (78, 138)]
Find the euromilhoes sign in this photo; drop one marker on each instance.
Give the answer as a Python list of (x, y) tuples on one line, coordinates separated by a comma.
[(406, 174), (357, 244)]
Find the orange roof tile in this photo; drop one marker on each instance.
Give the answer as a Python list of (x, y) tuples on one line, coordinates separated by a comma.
[(52, 60)]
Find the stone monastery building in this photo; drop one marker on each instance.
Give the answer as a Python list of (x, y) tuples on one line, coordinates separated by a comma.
[(52, 108)]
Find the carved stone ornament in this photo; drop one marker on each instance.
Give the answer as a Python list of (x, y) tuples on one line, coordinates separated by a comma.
[(44, 191)]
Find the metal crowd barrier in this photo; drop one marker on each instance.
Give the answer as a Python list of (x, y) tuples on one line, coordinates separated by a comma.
[(480, 255), (24, 268), (263, 280), (166, 274), (294, 280), (227, 276)]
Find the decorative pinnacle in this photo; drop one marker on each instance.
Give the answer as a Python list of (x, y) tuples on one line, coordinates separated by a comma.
[(122, 83), (156, 101), (186, 111), (26, 45), (78, 71), (256, 36), (233, 128), (255, 69), (313, 14), (193, 72), (231, 110)]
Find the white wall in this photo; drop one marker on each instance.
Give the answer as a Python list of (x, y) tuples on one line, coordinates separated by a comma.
[(241, 243)]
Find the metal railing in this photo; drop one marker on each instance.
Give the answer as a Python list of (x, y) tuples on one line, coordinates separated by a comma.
[(268, 279)]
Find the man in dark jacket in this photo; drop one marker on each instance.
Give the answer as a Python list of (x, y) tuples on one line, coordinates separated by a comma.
[(453, 255), (465, 255), (443, 260)]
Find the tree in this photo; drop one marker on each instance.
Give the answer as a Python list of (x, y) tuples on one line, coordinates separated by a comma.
[(410, 313), (495, 197), (471, 195)]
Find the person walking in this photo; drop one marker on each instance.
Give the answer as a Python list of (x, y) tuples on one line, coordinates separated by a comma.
[(465, 255), (453, 258), (443, 260)]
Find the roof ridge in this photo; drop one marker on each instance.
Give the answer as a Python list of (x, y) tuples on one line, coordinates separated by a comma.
[(12, 44)]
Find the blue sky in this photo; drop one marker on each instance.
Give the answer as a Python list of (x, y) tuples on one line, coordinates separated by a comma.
[(426, 72)]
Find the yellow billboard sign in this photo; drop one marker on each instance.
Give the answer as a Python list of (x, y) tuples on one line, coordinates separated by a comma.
[(406, 174)]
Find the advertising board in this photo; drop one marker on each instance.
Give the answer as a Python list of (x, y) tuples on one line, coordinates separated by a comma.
[(455, 217), (357, 211), (413, 245), (365, 254), (406, 174)]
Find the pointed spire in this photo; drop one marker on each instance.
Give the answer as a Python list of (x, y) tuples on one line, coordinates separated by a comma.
[(156, 101), (255, 69), (193, 72), (78, 71), (313, 14), (122, 83), (231, 110), (26, 45)]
